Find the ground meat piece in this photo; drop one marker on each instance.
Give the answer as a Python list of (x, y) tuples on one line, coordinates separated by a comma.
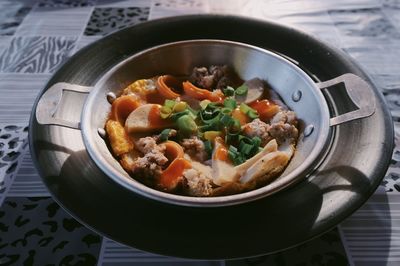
[(197, 184), (146, 170), (195, 148), (202, 78), (146, 144), (218, 71), (279, 130), (283, 132), (285, 117), (258, 128), (215, 77), (149, 166)]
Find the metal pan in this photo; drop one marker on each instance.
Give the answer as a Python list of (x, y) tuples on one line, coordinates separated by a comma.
[(353, 164), (295, 87)]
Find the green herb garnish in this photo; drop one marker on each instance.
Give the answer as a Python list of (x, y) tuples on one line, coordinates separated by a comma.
[(229, 91), (208, 147), (164, 135), (230, 103), (250, 112), (242, 90), (186, 125), (235, 156)]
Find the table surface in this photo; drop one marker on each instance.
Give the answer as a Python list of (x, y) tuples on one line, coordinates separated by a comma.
[(37, 36)]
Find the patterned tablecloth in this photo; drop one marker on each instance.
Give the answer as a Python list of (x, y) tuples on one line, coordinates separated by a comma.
[(37, 36)]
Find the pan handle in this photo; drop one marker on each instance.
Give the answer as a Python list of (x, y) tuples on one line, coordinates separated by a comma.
[(51, 99), (359, 91)]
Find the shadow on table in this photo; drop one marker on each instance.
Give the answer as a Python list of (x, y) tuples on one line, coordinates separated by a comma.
[(272, 223), (364, 238)]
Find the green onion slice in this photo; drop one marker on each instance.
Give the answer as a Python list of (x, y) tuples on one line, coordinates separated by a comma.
[(204, 104), (165, 112), (208, 147), (230, 103), (170, 103), (186, 124), (164, 135), (242, 90), (250, 112), (229, 91)]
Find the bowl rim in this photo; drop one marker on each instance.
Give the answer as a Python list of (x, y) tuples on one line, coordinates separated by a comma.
[(218, 201)]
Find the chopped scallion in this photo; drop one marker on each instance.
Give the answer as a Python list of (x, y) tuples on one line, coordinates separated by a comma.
[(211, 135), (165, 112), (226, 120), (186, 125), (208, 147), (226, 110), (242, 90), (229, 91), (164, 135), (204, 104), (230, 103), (170, 103), (250, 112)]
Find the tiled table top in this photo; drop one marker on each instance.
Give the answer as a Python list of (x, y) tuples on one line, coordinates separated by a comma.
[(37, 36)]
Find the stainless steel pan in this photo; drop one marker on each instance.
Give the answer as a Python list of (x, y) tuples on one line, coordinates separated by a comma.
[(296, 88)]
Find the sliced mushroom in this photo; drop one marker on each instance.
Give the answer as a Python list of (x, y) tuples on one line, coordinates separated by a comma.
[(255, 91), (146, 118), (268, 166)]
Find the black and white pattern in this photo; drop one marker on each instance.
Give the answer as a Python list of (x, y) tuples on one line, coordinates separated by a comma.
[(36, 231), (168, 8), (35, 54), (11, 15), (366, 22), (65, 3), (13, 144), (19, 92), (325, 250), (47, 21), (27, 182), (106, 20), (371, 234), (114, 253), (181, 4)]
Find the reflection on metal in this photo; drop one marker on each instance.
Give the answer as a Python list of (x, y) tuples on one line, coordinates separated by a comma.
[(296, 96), (102, 132), (308, 130), (359, 91), (51, 99)]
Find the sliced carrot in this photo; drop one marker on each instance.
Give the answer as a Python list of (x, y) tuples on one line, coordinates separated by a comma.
[(165, 84), (221, 151), (239, 115), (173, 175), (123, 106), (265, 108), (173, 150), (155, 119), (221, 154), (202, 94)]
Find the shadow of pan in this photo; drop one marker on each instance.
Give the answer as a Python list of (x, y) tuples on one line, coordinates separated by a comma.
[(260, 227)]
